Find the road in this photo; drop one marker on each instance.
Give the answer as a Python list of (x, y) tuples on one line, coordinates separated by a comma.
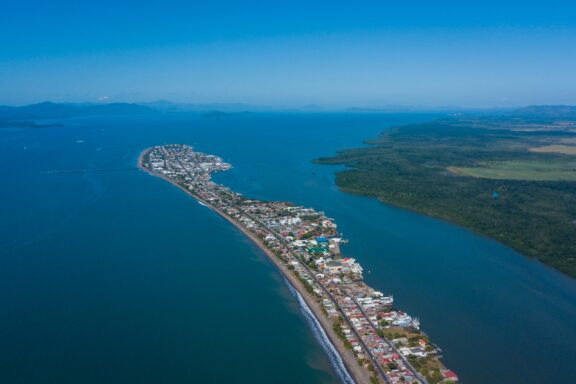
[(373, 359), (280, 238), (410, 367)]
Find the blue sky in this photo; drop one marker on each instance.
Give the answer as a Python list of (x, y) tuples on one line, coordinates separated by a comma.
[(290, 53)]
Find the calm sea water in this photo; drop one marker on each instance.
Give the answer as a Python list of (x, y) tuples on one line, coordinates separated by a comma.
[(120, 277)]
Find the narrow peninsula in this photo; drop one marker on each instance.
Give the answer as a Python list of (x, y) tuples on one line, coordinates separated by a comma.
[(376, 342)]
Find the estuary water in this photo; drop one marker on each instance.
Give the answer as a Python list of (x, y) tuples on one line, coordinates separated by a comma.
[(117, 276)]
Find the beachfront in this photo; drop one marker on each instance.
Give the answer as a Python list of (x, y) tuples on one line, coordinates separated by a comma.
[(377, 342)]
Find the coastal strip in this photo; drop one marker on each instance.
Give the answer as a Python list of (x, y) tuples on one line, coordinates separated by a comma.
[(376, 343), (358, 374), (323, 339)]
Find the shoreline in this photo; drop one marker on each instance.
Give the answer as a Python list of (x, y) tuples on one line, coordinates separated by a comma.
[(445, 220), (358, 374)]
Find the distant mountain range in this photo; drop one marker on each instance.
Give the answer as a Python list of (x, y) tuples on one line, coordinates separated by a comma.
[(49, 110), (547, 111), (168, 106), (25, 115)]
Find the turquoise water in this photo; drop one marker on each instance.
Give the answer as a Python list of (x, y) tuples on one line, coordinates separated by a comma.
[(120, 277)]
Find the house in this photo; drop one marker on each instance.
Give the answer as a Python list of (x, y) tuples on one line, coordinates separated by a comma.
[(448, 375), (334, 267)]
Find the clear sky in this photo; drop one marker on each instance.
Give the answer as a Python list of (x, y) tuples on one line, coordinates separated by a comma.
[(289, 53)]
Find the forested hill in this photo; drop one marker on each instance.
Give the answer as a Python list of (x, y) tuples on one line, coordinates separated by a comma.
[(49, 110), (508, 178), (547, 111)]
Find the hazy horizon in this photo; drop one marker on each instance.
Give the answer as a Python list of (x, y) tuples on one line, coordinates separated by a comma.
[(372, 54), (181, 106)]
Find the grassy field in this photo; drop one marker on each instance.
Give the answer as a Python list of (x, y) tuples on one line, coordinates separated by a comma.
[(454, 168), (556, 148), (520, 170)]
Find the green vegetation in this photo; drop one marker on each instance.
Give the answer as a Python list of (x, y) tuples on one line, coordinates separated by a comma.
[(307, 286), (434, 377), (427, 367), (520, 170), (337, 327), (480, 174)]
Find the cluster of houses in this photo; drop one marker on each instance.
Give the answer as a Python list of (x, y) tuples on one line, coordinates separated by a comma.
[(308, 243), (394, 364)]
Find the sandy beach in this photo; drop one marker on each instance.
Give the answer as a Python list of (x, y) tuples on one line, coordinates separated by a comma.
[(358, 373)]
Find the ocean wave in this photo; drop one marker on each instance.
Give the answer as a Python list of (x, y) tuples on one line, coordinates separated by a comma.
[(320, 335)]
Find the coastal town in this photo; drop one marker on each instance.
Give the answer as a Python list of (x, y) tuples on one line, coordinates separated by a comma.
[(386, 342)]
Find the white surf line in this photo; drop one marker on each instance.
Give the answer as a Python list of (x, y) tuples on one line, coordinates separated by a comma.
[(320, 335)]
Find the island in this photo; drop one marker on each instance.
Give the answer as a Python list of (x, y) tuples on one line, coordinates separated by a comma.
[(377, 342), (510, 177)]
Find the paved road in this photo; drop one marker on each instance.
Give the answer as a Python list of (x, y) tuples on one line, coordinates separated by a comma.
[(377, 365), (391, 345)]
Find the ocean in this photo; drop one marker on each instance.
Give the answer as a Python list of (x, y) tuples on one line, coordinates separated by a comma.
[(117, 276)]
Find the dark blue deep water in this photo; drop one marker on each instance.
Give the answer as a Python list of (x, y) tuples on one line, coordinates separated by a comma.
[(116, 277)]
